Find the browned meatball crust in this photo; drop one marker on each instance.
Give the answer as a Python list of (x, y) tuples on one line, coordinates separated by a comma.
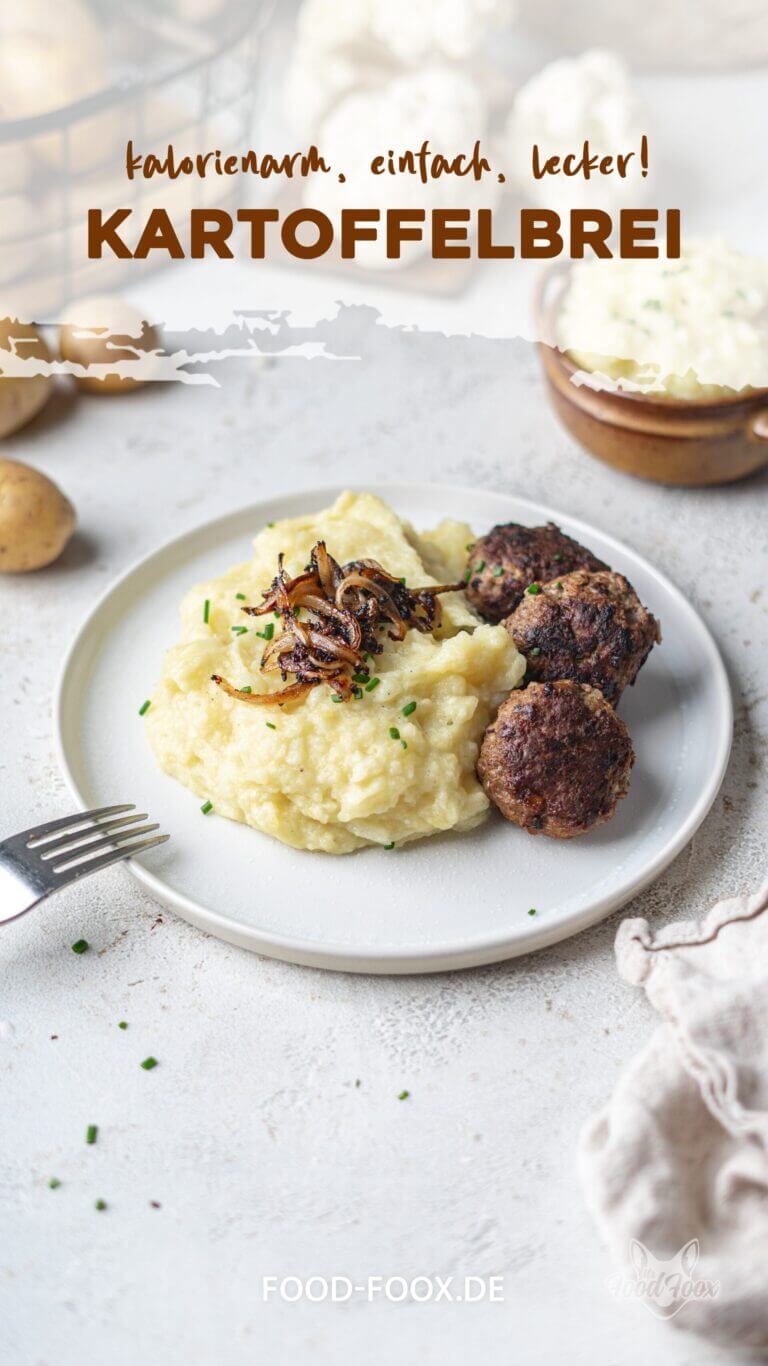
[(502, 564), (592, 628), (556, 759)]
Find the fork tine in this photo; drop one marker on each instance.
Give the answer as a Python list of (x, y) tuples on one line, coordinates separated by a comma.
[(87, 866), (82, 838), (63, 860), (38, 832)]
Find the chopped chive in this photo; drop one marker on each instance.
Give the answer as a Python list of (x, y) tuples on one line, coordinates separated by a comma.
[(480, 566), (206, 807), (468, 576), (357, 1081), (269, 631), (498, 571), (206, 610), (360, 678), (100, 1204), (404, 744), (91, 1132), (535, 652), (357, 692), (239, 630), (247, 688), (337, 699), (403, 1095), (532, 910), (409, 708), (144, 708), (276, 615), (240, 597), (148, 1064), (390, 846), (394, 733), (271, 725), (533, 589), (54, 1183), (374, 683), (270, 524), (367, 656), (558, 584), (470, 545), (122, 1024), (80, 946)]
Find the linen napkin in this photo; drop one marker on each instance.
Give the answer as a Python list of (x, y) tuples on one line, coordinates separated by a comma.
[(675, 1168)]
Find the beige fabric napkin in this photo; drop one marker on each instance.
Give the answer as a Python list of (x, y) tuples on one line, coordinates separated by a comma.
[(675, 1168)]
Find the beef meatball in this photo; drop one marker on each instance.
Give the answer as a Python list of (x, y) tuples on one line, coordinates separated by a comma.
[(556, 759), (502, 564), (592, 628)]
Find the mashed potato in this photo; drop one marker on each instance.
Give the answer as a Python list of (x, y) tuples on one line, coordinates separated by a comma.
[(318, 774), (691, 328)]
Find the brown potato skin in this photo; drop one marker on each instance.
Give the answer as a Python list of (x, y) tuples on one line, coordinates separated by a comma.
[(36, 520), (557, 759), (589, 627), (103, 330), (22, 396)]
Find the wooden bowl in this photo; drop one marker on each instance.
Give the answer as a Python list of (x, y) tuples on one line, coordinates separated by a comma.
[(671, 440)]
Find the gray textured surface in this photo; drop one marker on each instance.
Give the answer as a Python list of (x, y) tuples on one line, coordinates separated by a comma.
[(265, 1157)]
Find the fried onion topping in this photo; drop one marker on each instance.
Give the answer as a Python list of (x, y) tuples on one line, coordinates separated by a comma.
[(332, 617)]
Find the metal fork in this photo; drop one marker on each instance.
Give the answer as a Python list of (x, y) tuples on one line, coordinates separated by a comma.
[(41, 860)]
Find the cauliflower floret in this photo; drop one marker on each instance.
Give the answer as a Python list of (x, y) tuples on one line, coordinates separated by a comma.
[(569, 101), (439, 104), (345, 47), (319, 77), (448, 28)]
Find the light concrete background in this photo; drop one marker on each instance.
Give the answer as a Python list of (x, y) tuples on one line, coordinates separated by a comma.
[(264, 1155)]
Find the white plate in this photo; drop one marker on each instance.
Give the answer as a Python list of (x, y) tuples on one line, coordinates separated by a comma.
[(447, 902)]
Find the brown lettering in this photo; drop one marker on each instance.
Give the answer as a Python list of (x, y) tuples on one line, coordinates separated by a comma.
[(100, 232), (289, 234), (210, 228)]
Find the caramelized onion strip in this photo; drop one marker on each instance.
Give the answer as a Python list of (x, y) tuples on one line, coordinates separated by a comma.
[(346, 605), (265, 699)]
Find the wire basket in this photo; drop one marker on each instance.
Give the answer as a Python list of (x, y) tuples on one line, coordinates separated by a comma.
[(169, 80)]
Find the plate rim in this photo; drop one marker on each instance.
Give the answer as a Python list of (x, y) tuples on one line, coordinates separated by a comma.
[(409, 958)]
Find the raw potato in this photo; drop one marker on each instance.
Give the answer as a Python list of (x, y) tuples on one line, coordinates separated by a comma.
[(91, 332), (15, 168), (21, 397), (36, 520), (53, 52), (18, 249)]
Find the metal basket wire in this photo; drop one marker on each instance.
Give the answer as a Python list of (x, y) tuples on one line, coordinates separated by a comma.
[(195, 85)]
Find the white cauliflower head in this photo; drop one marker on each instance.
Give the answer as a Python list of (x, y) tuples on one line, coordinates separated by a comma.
[(344, 45), (439, 104), (417, 32), (571, 100)]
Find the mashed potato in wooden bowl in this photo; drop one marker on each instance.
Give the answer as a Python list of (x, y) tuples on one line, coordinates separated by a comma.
[(325, 775)]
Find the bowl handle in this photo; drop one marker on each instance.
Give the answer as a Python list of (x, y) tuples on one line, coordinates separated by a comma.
[(547, 294), (759, 425)]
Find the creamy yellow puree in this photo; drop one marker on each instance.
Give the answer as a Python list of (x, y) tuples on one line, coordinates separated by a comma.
[(330, 776)]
